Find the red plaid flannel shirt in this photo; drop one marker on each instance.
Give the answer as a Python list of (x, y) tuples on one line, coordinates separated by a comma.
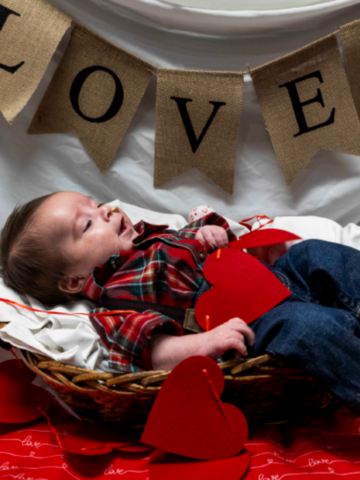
[(164, 267)]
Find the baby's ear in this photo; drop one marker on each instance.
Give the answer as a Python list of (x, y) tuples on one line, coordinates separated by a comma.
[(71, 284)]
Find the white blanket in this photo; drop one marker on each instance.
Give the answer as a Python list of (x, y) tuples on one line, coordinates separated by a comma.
[(72, 339), (306, 227)]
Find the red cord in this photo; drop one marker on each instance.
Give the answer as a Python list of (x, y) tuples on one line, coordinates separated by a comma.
[(51, 312)]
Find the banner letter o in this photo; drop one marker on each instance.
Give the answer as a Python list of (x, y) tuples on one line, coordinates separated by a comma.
[(78, 84)]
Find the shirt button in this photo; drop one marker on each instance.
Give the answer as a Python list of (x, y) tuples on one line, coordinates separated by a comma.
[(201, 256)]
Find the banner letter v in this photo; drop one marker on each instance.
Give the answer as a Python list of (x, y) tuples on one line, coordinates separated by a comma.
[(194, 142)]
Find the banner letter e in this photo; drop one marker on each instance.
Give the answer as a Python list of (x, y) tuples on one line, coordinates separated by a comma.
[(298, 105)]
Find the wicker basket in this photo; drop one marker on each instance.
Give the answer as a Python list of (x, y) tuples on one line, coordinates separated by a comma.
[(266, 389)]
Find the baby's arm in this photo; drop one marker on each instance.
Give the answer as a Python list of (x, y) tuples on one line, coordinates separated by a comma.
[(167, 351)]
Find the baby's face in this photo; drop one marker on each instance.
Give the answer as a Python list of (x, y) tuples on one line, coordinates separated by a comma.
[(87, 232)]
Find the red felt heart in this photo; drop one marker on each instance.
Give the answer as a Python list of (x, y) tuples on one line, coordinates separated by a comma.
[(188, 417), (19, 400), (137, 448), (164, 466), (13, 372), (261, 238), (244, 288), (98, 438)]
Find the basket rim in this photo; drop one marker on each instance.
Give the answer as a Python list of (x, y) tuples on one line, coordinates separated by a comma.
[(85, 380)]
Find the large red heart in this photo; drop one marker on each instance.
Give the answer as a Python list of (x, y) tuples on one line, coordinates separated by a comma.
[(164, 466), (261, 238), (188, 417), (244, 288)]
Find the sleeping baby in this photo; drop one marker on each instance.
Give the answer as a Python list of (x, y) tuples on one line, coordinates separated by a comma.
[(66, 245)]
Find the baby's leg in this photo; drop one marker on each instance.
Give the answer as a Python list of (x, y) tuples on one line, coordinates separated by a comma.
[(324, 341), (322, 272)]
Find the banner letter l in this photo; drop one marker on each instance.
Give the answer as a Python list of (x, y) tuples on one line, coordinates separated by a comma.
[(4, 14)]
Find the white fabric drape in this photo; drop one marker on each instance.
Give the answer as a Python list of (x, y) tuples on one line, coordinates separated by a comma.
[(231, 17), (36, 165)]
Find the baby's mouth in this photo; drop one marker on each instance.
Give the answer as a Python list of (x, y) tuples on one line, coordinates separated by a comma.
[(122, 226)]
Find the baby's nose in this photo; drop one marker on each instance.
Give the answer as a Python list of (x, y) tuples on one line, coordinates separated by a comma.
[(106, 211)]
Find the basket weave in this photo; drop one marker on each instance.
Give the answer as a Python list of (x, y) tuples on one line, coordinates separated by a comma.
[(266, 389)]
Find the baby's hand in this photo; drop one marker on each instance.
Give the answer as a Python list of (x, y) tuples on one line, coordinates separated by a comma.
[(214, 235), (228, 336), (167, 351)]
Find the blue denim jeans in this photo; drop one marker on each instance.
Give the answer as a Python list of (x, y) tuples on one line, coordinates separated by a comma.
[(317, 326)]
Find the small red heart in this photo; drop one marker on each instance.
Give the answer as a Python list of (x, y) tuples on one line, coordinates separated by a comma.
[(19, 400), (261, 238), (243, 287), (188, 417), (164, 466), (204, 210), (98, 438)]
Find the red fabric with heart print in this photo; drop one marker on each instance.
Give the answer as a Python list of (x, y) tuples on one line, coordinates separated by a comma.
[(323, 449), (165, 466), (243, 287), (189, 419), (33, 453)]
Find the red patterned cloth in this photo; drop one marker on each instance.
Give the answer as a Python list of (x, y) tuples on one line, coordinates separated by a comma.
[(316, 448), (163, 267), (321, 449)]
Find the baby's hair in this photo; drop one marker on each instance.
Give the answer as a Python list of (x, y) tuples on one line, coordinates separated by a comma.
[(27, 265)]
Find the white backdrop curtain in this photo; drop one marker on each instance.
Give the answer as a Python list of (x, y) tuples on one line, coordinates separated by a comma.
[(181, 37)]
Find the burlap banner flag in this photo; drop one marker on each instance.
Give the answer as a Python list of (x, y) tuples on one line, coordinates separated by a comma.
[(307, 105), (30, 31), (94, 94), (197, 124), (350, 38)]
